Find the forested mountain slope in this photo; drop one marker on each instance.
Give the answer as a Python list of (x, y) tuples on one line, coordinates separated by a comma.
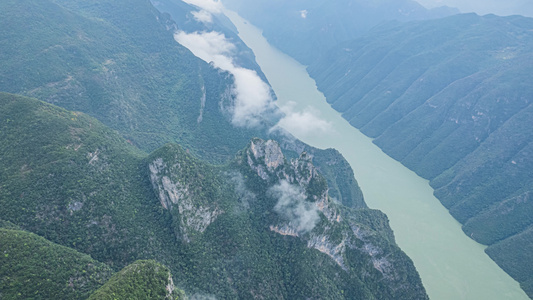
[(452, 100), (188, 18), (31, 266), (261, 226), (118, 61), (143, 279), (35, 268)]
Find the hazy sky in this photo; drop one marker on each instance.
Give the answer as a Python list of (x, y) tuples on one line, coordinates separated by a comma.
[(482, 7)]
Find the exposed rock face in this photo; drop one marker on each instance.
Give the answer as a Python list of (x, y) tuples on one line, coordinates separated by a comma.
[(284, 230), (301, 193), (264, 157), (194, 216), (169, 193), (269, 163), (336, 252), (378, 256)]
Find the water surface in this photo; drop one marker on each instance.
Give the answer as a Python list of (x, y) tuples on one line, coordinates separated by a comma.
[(452, 266)]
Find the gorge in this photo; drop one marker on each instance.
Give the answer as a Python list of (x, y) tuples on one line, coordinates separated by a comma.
[(451, 265)]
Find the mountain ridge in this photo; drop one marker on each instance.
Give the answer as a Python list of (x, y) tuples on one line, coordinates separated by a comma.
[(207, 223)]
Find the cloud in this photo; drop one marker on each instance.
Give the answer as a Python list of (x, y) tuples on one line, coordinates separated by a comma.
[(293, 206), (303, 123), (252, 97), (245, 195), (212, 6), (209, 46), (202, 297), (203, 16)]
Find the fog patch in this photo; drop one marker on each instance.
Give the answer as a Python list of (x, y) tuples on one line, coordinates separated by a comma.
[(245, 195), (293, 206), (202, 297), (303, 123), (211, 6), (203, 16), (252, 97)]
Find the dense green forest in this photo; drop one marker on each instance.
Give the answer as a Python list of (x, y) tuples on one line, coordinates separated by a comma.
[(143, 279), (117, 61), (34, 268), (219, 229)]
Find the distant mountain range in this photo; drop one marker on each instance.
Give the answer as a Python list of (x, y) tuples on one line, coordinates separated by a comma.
[(306, 29)]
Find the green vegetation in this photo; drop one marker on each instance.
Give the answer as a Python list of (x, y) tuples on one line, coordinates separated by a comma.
[(68, 178), (143, 279), (33, 268), (76, 182), (182, 14)]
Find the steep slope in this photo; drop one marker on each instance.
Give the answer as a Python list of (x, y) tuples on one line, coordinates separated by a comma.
[(221, 230), (33, 268), (450, 99), (118, 61), (143, 279), (70, 179), (190, 18), (306, 29)]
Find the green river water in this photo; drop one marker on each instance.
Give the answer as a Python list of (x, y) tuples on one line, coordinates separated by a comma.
[(451, 265)]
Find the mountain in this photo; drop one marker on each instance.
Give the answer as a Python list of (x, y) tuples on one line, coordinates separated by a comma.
[(142, 279), (306, 29), (33, 268), (451, 100), (259, 226), (72, 180)]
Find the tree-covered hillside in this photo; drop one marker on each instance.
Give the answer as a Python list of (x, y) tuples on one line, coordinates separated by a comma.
[(77, 183), (451, 99), (261, 226), (118, 62), (143, 279), (33, 268)]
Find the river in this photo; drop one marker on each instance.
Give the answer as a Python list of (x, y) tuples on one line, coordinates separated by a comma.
[(451, 265)]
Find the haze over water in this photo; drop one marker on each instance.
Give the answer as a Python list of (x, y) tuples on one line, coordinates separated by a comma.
[(452, 266)]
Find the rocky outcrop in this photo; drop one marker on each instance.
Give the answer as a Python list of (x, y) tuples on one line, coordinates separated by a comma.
[(336, 251), (264, 157), (177, 195), (301, 193)]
